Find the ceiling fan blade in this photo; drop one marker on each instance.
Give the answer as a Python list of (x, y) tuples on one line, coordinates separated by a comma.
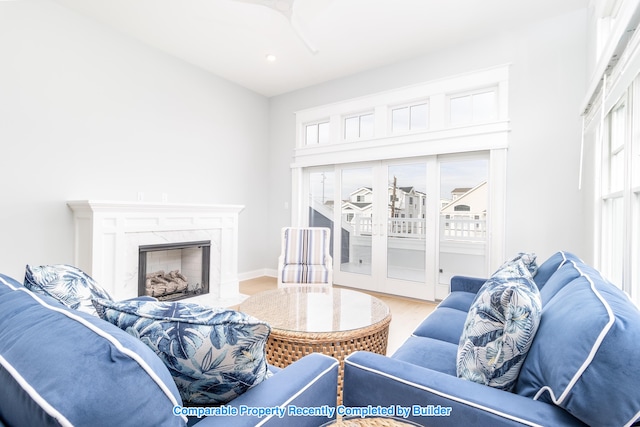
[(296, 28), (285, 7)]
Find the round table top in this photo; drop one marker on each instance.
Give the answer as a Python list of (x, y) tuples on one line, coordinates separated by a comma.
[(315, 308)]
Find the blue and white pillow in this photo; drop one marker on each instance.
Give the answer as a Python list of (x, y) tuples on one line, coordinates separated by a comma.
[(500, 327), (529, 260), (69, 285), (214, 355)]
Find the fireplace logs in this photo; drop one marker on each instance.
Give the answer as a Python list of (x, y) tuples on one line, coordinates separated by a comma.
[(159, 284), (180, 260)]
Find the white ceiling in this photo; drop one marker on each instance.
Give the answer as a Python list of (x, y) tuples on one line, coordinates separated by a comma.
[(323, 39)]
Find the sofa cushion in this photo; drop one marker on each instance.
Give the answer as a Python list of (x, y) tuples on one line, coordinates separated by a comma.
[(214, 355), (443, 324), (564, 275), (500, 327), (548, 268), (59, 366), (67, 284), (458, 300), (7, 284), (428, 353), (586, 346)]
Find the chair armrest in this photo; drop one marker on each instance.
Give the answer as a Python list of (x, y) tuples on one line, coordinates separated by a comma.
[(466, 284), (372, 379), (311, 382)]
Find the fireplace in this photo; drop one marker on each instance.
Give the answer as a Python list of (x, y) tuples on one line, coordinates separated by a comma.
[(108, 237), (173, 271)]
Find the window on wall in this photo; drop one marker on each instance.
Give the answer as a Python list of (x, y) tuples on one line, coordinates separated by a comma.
[(317, 133), (419, 134), (410, 117), (620, 194), (607, 13), (613, 194), (473, 108), (357, 127)]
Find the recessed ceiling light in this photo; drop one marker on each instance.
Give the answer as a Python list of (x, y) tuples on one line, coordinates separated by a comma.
[(270, 57)]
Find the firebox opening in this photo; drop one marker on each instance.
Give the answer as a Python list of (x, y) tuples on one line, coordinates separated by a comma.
[(172, 271)]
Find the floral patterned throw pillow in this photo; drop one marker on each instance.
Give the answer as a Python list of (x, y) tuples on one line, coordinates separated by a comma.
[(213, 354), (500, 327), (67, 284)]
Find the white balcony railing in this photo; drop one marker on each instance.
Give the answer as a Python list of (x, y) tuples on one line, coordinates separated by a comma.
[(406, 227), (463, 229), (457, 229)]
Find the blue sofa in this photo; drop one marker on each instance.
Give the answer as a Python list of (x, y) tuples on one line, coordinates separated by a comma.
[(60, 366), (583, 366)]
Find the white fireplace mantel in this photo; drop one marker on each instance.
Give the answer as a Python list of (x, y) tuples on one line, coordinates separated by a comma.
[(108, 234)]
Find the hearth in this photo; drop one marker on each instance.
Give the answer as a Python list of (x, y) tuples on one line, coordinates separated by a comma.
[(109, 234), (172, 271)]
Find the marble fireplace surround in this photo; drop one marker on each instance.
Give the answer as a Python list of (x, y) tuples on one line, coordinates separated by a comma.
[(108, 234)]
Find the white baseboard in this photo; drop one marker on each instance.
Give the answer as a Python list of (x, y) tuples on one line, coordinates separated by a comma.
[(248, 275)]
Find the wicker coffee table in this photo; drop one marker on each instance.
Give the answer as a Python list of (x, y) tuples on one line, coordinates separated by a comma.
[(320, 319), (369, 422)]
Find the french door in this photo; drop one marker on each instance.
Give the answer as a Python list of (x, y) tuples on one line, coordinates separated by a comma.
[(403, 227)]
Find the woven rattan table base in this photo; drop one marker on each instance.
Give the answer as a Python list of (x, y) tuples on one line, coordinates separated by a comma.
[(285, 347), (369, 422)]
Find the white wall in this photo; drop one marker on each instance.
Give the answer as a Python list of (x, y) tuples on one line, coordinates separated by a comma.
[(88, 113), (547, 84)]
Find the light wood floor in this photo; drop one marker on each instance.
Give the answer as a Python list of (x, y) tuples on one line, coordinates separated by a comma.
[(406, 313)]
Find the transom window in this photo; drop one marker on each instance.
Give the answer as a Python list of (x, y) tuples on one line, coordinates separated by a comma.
[(317, 133), (384, 238), (361, 126), (473, 108), (411, 117)]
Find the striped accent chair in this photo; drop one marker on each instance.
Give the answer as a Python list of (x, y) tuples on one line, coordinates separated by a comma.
[(305, 257)]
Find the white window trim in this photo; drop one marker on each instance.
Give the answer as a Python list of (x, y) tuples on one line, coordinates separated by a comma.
[(359, 116), (616, 76), (381, 103), (478, 91), (317, 124), (438, 139), (408, 105)]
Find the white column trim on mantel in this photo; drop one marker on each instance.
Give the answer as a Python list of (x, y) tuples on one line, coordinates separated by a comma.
[(104, 231)]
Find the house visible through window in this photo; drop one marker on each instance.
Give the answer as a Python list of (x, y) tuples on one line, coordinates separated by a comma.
[(387, 149)]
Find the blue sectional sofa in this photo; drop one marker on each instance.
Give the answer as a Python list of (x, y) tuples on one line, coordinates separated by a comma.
[(582, 367), (63, 367)]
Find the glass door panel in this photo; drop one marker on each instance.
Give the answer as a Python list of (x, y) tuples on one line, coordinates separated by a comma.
[(356, 216), (464, 200), (404, 227), (321, 200), (406, 222)]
